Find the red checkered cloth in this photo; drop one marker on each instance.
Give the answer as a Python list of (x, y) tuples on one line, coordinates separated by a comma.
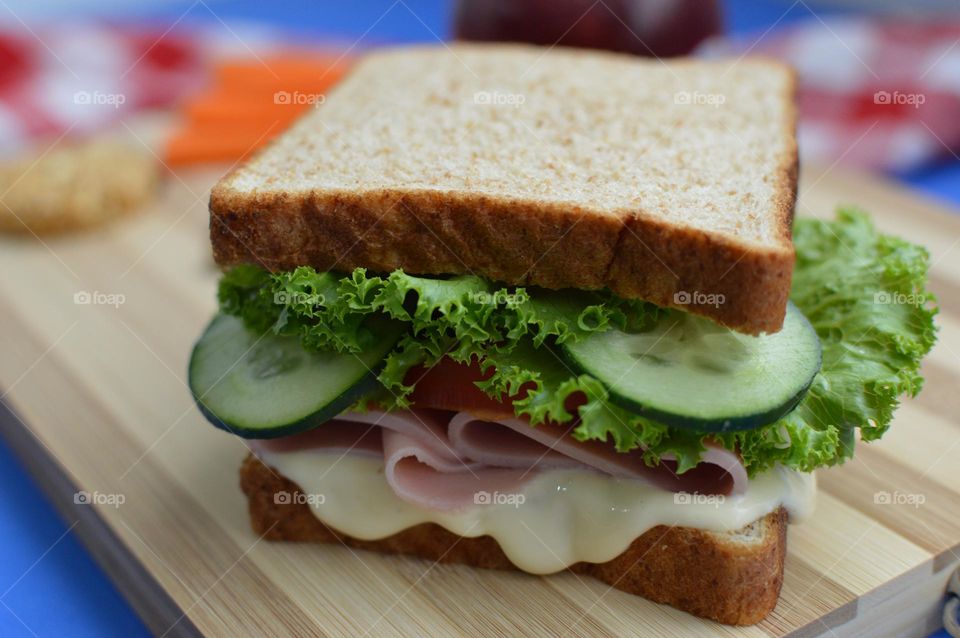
[(79, 78), (874, 93)]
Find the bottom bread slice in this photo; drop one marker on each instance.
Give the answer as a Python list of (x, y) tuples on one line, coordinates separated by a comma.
[(731, 577)]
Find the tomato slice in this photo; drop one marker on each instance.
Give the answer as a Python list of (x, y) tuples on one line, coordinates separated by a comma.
[(449, 385)]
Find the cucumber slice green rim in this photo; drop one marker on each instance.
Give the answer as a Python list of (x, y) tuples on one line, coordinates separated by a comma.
[(691, 373), (266, 386)]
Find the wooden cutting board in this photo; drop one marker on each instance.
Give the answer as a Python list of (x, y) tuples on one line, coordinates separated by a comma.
[(98, 402)]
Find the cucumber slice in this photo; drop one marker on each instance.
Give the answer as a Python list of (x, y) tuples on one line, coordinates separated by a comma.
[(265, 387), (691, 373)]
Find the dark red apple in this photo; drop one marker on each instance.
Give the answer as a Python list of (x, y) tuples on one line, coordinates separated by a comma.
[(661, 28)]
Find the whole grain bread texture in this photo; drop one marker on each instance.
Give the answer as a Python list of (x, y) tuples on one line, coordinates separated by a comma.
[(669, 181), (732, 577)]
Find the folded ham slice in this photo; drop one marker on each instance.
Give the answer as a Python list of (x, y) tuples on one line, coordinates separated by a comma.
[(549, 446), (441, 460)]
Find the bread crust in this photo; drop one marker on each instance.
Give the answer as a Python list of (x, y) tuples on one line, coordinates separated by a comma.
[(741, 286), (704, 573)]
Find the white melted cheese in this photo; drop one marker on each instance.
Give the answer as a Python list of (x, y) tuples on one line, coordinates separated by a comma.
[(560, 517)]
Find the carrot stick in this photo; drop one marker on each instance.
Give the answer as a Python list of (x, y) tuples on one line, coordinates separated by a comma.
[(250, 102)]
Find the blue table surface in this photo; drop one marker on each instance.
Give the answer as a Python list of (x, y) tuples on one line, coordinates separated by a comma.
[(49, 584)]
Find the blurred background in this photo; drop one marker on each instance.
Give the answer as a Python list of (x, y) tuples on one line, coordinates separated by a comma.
[(201, 84)]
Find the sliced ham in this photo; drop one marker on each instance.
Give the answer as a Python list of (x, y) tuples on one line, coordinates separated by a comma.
[(720, 472), (342, 436), (441, 460), (418, 478)]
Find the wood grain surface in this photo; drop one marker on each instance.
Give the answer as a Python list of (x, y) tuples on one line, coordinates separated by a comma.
[(97, 401)]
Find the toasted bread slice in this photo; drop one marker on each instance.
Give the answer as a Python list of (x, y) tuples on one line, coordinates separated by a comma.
[(732, 577), (668, 181)]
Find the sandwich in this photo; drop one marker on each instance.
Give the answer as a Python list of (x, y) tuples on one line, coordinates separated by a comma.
[(550, 310)]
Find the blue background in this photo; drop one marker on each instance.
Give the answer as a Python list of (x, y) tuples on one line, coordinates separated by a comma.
[(49, 585)]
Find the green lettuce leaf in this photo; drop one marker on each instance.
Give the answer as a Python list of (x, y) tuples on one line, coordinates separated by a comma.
[(458, 317), (864, 293)]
